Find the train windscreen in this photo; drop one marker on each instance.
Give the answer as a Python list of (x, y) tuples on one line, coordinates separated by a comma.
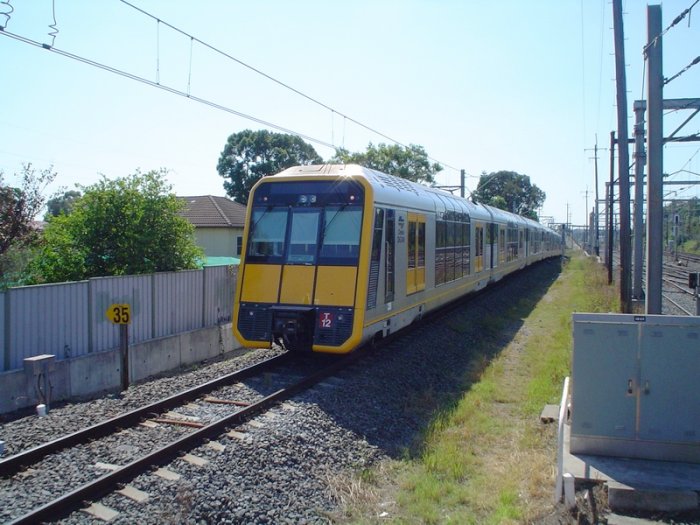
[(306, 223)]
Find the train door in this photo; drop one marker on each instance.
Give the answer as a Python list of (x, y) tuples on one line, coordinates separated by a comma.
[(527, 242), (382, 257), (521, 243), (501, 244), (492, 241), (415, 272), (478, 247)]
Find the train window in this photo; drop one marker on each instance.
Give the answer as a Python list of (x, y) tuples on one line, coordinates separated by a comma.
[(501, 244), (440, 243), (375, 258), (452, 248), (421, 245), (377, 236), (340, 243), (411, 244), (303, 237), (450, 252), (267, 236), (465, 248), (479, 248), (390, 256), (521, 243)]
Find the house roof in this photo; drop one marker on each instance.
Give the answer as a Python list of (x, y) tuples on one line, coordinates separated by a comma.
[(210, 211)]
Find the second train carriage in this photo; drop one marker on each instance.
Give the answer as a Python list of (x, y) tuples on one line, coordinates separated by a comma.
[(335, 255)]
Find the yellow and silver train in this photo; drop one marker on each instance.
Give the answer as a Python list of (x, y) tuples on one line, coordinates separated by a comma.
[(337, 255)]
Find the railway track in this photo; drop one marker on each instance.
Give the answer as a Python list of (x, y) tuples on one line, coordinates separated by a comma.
[(165, 429), (677, 298)]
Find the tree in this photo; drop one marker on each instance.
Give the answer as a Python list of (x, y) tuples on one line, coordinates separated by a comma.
[(509, 191), (410, 163), (126, 226), (61, 204), (249, 156), (19, 206)]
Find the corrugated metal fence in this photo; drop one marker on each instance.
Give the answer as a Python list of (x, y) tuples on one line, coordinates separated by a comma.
[(68, 319)]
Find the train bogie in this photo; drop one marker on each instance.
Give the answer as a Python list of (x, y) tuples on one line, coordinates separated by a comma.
[(337, 255)]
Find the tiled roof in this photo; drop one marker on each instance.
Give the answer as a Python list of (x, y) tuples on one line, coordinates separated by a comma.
[(209, 211)]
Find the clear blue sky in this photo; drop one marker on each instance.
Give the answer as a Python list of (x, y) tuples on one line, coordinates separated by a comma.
[(485, 86)]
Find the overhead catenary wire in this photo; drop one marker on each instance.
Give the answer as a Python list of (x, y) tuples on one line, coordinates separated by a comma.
[(279, 82), (694, 62), (164, 87)]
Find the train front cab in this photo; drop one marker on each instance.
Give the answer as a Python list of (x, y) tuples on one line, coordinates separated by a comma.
[(301, 264)]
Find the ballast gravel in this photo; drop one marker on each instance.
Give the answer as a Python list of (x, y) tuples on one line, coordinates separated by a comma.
[(284, 466)]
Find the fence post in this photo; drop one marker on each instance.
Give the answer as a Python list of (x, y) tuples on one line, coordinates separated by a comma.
[(90, 318), (6, 330), (154, 306), (204, 296)]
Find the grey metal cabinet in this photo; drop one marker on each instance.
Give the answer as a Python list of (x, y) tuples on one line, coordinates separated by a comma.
[(636, 386)]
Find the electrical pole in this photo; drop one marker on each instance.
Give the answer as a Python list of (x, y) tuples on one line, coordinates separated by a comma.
[(655, 163), (623, 158), (586, 239), (639, 161), (461, 183), (611, 201), (597, 216), (595, 232)]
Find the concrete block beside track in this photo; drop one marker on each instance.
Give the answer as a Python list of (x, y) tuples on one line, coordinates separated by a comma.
[(92, 374), (198, 345), (13, 391), (153, 357)]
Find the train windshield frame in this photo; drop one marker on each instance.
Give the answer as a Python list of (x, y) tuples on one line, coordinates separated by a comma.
[(321, 223)]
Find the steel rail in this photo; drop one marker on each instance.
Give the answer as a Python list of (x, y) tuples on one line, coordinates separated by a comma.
[(14, 463), (680, 288), (674, 303), (67, 503)]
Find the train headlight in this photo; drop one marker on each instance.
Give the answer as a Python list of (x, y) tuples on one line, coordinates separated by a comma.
[(312, 199), (302, 199)]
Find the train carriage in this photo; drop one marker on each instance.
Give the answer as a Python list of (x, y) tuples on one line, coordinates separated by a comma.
[(336, 255)]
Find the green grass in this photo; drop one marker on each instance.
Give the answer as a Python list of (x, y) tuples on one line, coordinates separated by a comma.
[(486, 458), (692, 246)]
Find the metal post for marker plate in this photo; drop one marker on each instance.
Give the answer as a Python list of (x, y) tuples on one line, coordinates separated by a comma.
[(121, 314), (124, 351), (694, 284)]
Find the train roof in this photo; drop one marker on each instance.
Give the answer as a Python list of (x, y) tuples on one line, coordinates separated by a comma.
[(392, 190)]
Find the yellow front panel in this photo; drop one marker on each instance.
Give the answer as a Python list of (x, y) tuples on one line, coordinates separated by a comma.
[(297, 284), (335, 285), (261, 283)]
